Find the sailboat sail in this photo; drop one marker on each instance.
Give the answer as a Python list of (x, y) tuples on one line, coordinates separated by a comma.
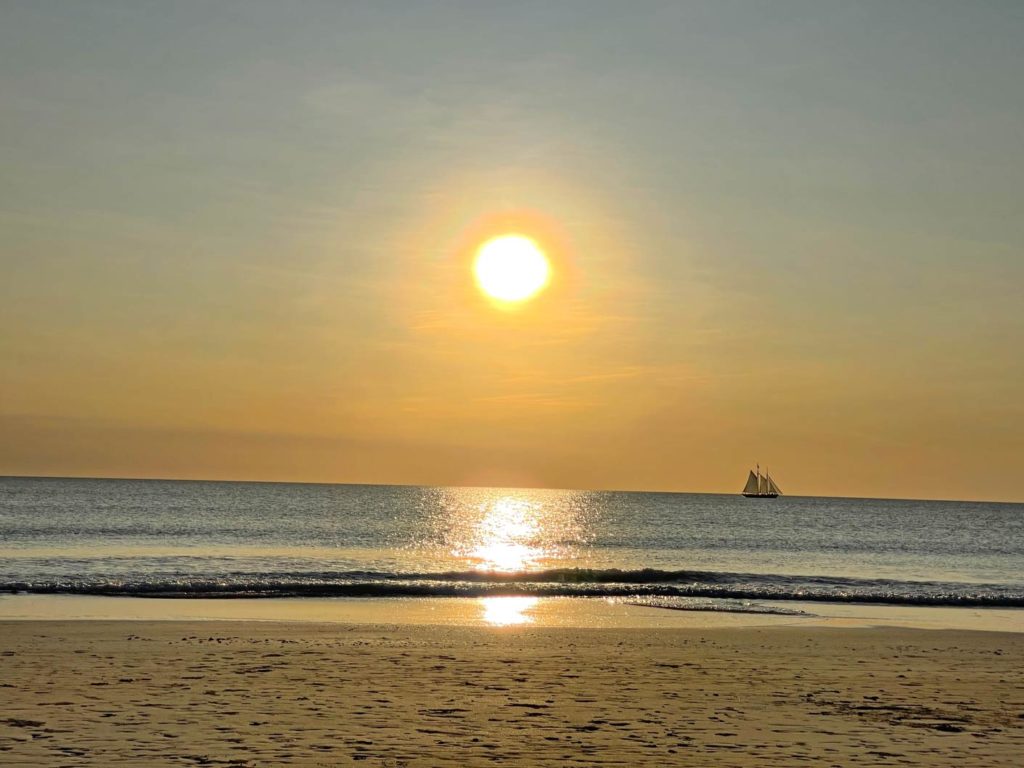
[(760, 486)]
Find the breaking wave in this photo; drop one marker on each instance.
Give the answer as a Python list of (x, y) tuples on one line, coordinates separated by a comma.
[(646, 583)]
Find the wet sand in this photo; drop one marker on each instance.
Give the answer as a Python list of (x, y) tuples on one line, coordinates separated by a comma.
[(257, 693)]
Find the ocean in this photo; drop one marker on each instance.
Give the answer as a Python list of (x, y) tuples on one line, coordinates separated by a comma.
[(187, 539)]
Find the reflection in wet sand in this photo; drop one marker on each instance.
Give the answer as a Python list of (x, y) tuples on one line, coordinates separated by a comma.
[(507, 611)]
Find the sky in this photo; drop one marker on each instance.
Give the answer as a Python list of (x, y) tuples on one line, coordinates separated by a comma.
[(236, 243)]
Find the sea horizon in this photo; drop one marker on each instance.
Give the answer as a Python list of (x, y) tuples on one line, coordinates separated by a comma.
[(980, 500)]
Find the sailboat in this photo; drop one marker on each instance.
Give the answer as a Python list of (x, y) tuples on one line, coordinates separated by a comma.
[(760, 486)]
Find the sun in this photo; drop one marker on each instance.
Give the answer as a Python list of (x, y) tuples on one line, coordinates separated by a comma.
[(511, 268)]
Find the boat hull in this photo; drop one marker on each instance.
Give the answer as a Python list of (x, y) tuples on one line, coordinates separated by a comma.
[(761, 495)]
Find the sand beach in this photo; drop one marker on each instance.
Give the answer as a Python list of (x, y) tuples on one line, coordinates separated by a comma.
[(106, 693)]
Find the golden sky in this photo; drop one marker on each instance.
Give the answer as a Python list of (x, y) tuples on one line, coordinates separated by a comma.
[(236, 243)]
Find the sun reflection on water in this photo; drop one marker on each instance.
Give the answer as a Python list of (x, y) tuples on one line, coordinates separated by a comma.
[(509, 531), (507, 611), (506, 537)]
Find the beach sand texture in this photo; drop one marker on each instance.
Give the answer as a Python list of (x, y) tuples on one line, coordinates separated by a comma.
[(255, 694)]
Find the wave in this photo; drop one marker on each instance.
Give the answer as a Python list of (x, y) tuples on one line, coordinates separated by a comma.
[(716, 606), (645, 583)]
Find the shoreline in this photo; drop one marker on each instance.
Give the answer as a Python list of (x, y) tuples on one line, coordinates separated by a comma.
[(564, 612), (243, 693)]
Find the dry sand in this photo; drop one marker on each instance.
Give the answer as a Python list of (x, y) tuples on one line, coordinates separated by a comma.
[(255, 694)]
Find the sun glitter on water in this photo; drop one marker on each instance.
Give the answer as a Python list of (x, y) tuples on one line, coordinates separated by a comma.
[(511, 268), (506, 536)]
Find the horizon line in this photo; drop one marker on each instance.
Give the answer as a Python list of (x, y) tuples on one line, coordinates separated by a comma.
[(493, 487)]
